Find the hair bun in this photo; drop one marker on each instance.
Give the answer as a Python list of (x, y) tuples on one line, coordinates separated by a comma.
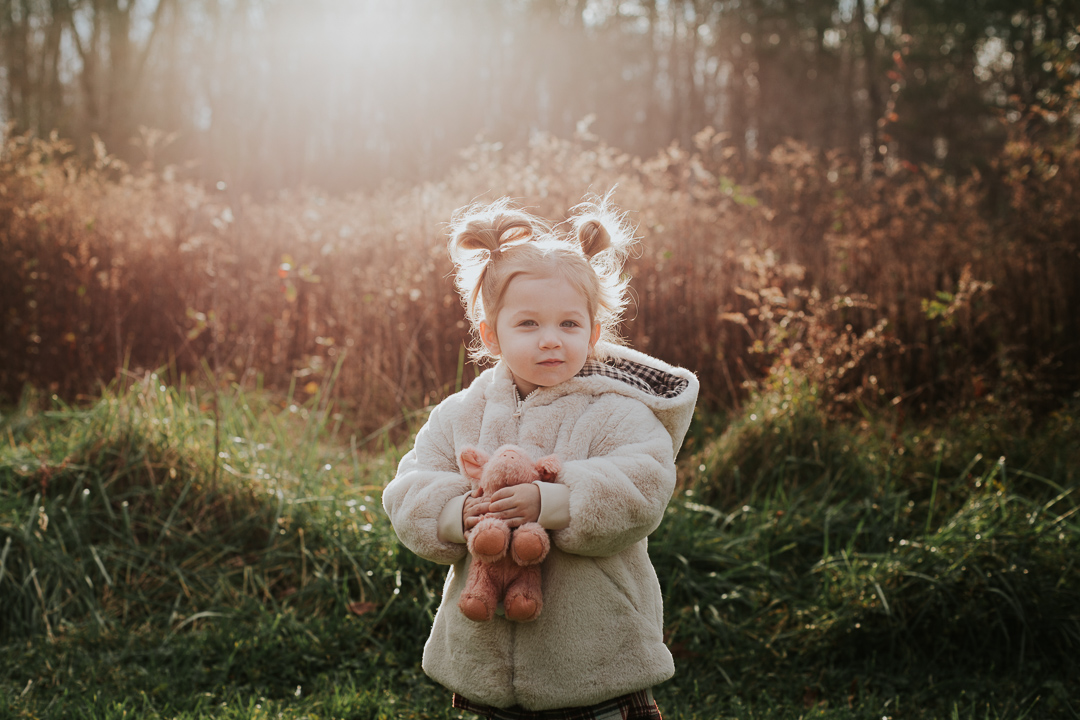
[(593, 237), (491, 232), (478, 236)]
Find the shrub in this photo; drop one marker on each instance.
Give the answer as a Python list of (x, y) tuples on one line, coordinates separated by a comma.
[(880, 284)]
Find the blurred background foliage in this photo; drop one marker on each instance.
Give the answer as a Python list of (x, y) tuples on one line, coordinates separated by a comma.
[(879, 194), (914, 288)]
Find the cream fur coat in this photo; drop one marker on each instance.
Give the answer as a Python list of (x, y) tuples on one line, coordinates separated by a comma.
[(600, 634)]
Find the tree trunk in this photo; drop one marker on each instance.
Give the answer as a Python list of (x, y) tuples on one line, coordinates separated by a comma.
[(874, 102), (15, 35)]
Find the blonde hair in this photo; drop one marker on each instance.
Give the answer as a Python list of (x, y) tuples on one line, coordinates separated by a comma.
[(492, 244)]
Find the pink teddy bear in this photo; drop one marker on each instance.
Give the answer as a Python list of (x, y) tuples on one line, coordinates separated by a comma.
[(495, 574)]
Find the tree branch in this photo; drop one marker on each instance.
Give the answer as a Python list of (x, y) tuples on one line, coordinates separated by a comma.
[(140, 65)]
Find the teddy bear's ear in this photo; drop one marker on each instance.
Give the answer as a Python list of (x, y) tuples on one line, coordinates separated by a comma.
[(548, 467), (472, 462)]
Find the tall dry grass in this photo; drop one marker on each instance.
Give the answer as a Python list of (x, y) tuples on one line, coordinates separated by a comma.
[(900, 285)]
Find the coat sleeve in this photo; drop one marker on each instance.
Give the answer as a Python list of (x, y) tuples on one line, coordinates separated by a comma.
[(619, 494), (427, 479)]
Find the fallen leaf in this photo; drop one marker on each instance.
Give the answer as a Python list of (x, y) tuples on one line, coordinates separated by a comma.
[(361, 608)]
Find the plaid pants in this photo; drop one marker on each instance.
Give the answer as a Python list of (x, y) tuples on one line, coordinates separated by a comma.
[(638, 705)]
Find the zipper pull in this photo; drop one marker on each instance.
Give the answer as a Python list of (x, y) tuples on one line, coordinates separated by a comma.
[(520, 402)]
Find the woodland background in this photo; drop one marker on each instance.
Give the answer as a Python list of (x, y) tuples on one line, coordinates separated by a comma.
[(882, 193), (341, 95)]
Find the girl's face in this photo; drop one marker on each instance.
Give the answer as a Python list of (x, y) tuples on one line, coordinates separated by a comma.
[(543, 331)]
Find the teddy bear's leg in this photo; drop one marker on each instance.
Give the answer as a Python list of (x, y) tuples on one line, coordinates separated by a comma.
[(489, 540), (523, 601), (478, 599), (529, 544)]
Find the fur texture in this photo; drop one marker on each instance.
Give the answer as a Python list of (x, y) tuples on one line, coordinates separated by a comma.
[(495, 574), (601, 632)]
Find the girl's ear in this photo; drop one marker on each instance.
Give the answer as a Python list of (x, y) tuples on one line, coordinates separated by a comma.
[(595, 336), (490, 340)]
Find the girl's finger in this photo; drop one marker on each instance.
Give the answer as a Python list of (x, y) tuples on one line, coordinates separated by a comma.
[(508, 492), (506, 508)]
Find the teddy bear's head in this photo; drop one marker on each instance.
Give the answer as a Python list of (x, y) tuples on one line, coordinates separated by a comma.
[(508, 466)]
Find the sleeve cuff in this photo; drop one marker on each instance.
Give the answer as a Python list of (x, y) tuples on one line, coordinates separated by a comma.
[(450, 527), (554, 505)]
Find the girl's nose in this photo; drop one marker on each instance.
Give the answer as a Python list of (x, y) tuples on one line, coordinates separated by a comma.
[(550, 339)]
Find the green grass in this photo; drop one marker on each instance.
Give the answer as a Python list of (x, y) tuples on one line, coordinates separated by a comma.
[(170, 553)]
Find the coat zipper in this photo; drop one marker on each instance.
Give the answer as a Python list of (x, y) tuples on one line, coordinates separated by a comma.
[(520, 402)]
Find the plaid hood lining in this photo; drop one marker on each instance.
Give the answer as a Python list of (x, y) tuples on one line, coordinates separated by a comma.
[(643, 377)]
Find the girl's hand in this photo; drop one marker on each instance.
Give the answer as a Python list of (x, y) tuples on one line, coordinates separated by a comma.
[(472, 511), (516, 505)]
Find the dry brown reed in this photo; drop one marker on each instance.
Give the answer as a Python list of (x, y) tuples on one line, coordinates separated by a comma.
[(900, 284)]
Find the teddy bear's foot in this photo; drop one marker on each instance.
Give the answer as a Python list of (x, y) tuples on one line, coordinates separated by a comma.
[(529, 544), (523, 607), (475, 609), (489, 540)]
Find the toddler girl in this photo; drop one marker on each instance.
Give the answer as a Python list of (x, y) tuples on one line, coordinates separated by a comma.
[(544, 302)]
